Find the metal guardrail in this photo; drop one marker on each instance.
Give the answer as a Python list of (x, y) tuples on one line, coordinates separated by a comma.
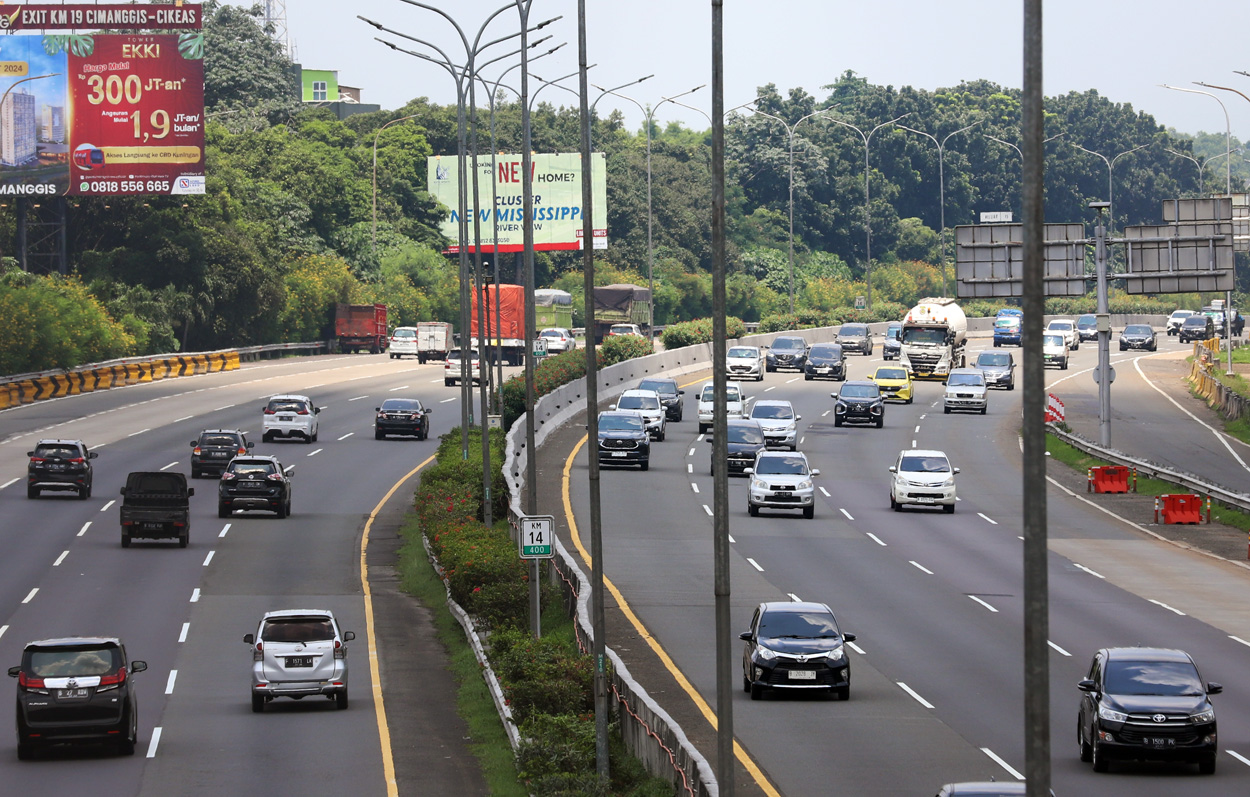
[(242, 350)]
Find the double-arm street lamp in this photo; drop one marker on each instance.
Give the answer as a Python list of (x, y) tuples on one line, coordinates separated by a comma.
[(375, 176), (1228, 133), (790, 128), (1110, 185), (1201, 164)]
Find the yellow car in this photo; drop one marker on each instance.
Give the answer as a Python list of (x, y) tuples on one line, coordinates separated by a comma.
[(894, 382)]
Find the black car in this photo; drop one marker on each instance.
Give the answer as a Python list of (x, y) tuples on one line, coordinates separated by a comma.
[(795, 645), (1197, 327), (255, 482), (999, 368), (1087, 327), (1146, 704), (892, 346), (746, 439), (670, 396), (623, 439), (855, 337), (787, 351), (825, 360), (59, 465), (1138, 336), (215, 448), (859, 402), (76, 689), (402, 416)]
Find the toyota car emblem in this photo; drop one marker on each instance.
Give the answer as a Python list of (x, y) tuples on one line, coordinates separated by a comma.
[(1160, 717)]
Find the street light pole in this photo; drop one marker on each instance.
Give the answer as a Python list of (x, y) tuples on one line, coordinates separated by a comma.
[(1228, 132), (375, 177), (941, 148), (1110, 186), (867, 203), (1200, 164)]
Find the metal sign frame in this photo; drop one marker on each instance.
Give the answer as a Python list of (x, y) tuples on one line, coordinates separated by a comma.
[(531, 531), (1192, 252), (989, 260)]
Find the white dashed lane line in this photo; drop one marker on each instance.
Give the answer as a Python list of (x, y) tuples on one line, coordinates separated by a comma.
[(224, 529), (169, 685), (170, 465), (1002, 763), (707, 509), (358, 398), (105, 508), (694, 487), (856, 648), (1239, 757), (917, 430), (876, 539), (983, 516), (3, 628), (228, 406), (983, 603), (208, 558), (691, 454), (848, 514), (179, 420), (444, 401), (156, 740), (789, 381), (84, 528), (60, 559), (914, 694), (315, 453), (794, 597), (195, 595), (182, 637), (1169, 608), (755, 564), (132, 434), (825, 492), (344, 437), (689, 468), (10, 481), (1060, 650), (401, 387), (1239, 639), (774, 387), (823, 414), (920, 567), (30, 596)]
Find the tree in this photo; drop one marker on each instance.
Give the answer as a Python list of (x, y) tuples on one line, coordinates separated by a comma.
[(248, 81)]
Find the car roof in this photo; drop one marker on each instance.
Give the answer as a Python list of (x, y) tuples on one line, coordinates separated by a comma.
[(774, 403), (639, 391), (793, 607), (1152, 654), (728, 386), (295, 396), (634, 413), (777, 454), (221, 431), (1182, 312), (256, 458), (296, 613), (890, 368), (1061, 321), (664, 379), (742, 422), (789, 337), (56, 441), (74, 640), (861, 382), (922, 452), (853, 325), (976, 371)]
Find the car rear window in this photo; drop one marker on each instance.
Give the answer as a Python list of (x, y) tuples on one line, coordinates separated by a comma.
[(402, 405), (67, 661), (404, 333), (855, 330), (251, 468), (832, 352), (223, 440), (662, 386), (1196, 321), (156, 483), (48, 451), (287, 405), (747, 435), (297, 629), (639, 403)]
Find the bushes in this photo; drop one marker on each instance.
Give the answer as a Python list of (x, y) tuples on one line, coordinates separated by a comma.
[(55, 322), (541, 676), (556, 371), (619, 348), (690, 333)]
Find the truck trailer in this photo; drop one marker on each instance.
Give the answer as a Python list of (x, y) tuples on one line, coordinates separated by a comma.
[(621, 304), (361, 326)]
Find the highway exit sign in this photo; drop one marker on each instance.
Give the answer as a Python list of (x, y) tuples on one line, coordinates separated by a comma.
[(537, 537)]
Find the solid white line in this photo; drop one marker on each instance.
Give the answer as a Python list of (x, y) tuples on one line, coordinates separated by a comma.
[(219, 409), (755, 564), (912, 692), (141, 431), (1002, 763), (105, 508), (920, 566), (170, 465), (707, 509), (444, 401), (156, 739), (179, 420), (1169, 608), (344, 437), (315, 453), (195, 595), (987, 519), (1219, 436), (875, 538), (208, 558), (694, 487), (1056, 647), (689, 468), (440, 379), (856, 648), (1239, 639), (1087, 570), (10, 481), (401, 387), (60, 559), (358, 398), (691, 454), (27, 599), (84, 528), (1239, 757), (983, 603), (794, 597), (185, 628), (843, 511), (224, 529), (169, 685)]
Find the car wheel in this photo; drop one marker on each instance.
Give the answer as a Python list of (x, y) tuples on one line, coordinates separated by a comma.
[(1064, 367), (895, 505), (126, 747), (340, 700), (948, 509), (313, 439), (809, 512), (746, 684), (946, 410), (837, 421), (645, 465), (1011, 385), (1154, 346), (757, 691), (983, 409), (223, 510), (83, 492), (909, 399), (32, 492), (1207, 765), (663, 432), (125, 539), (258, 703), (25, 751), (1087, 751), (281, 511), (703, 428), (195, 474), (881, 422), (448, 382), (807, 377), (378, 434), (266, 438), (183, 539), (752, 509), (1099, 760), (843, 692), (997, 344)]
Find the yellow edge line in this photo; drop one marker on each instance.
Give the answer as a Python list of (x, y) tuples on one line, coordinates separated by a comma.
[(384, 732), (739, 752)]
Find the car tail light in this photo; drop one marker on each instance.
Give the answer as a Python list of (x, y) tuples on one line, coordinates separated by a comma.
[(196, 451), (242, 450), (302, 412), (340, 652), (227, 476), (274, 477), (37, 460), (270, 412), (259, 653), (108, 682), (77, 460), (29, 681)]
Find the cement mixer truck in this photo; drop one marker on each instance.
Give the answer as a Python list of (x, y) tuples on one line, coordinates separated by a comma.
[(933, 338)]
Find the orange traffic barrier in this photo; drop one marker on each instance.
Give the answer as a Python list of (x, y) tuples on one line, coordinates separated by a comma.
[(1111, 479), (1181, 508)]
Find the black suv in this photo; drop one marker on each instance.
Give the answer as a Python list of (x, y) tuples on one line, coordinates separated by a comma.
[(892, 346), (855, 337), (746, 439), (787, 351), (59, 465), (214, 450), (793, 645), (255, 482), (858, 402), (1146, 703), (825, 360), (1197, 327), (670, 396), (623, 439), (402, 416), (76, 689)]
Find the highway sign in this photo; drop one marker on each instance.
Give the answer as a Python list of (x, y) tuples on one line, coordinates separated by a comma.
[(537, 537), (540, 347)]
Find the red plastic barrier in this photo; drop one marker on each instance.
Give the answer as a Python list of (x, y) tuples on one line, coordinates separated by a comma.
[(1111, 479), (1180, 508)]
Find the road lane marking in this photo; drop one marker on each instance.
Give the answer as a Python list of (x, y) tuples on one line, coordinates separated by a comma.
[(913, 693), (179, 420), (1087, 570), (84, 528), (30, 595), (916, 430), (156, 739), (169, 685), (315, 453), (1239, 757), (823, 414), (358, 398), (689, 468), (774, 387), (983, 603), (826, 492), (1057, 648), (987, 519), (432, 381), (699, 439), (843, 511), (401, 387), (920, 566), (794, 597), (208, 558), (344, 437), (755, 564), (105, 508), (694, 487), (224, 529), (219, 409), (60, 559), (10, 481), (195, 595), (731, 538), (444, 401), (1002, 763), (913, 444), (185, 628), (170, 465), (1219, 435), (1169, 608), (1239, 639), (141, 431), (856, 648), (691, 454), (802, 439), (876, 539), (3, 628), (707, 509)]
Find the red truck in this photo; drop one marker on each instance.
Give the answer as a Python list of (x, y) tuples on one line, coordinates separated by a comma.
[(361, 326), (510, 334)]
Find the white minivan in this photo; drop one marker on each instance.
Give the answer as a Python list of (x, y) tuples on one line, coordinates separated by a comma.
[(735, 404)]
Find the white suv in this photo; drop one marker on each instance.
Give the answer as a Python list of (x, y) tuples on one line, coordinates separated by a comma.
[(966, 390), (403, 342), (922, 477), (735, 404), (647, 404), (1067, 328), (1176, 319), (781, 480), (289, 416), (453, 364)]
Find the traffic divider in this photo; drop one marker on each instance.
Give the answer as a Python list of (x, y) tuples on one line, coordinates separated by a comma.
[(1111, 479), (1181, 508)]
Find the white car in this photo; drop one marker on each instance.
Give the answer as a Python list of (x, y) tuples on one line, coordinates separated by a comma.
[(558, 339), (288, 416), (647, 404), (452, 366), (1054, 351), (403, 342), (779, 422), (1067, 328), (781, 480), (1175, 320), (625, 329), (745, 362), (966, 390), (923, 478), (735, 404)]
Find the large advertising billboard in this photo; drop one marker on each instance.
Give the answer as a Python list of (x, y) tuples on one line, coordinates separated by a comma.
[(557, 200), (101, 114)]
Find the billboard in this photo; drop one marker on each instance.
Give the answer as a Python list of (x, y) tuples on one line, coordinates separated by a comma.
[(557, 190), (101, 114)]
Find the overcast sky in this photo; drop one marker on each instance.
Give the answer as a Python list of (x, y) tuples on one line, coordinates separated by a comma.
[(1121, 48)]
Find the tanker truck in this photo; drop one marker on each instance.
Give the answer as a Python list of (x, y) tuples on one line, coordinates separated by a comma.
[(933, 338)]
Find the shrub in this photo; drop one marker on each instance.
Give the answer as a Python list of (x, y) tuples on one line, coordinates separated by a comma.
[(690, 333), (541, 676), (619, 348), (558, 370)]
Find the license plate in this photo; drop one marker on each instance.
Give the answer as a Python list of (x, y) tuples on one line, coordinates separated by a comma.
[(299, 661), (783, 493), (823, 370), (802, 675), (56, 467), (925, 500), (1162, 741), (72, 694), (218, 454), (153, 526), (285, 418), (619, 454)]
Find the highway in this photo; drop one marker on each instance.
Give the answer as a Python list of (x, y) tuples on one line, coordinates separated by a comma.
[(935, 599), (185, 611)]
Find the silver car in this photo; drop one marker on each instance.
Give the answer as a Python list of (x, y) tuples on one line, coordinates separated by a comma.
[(296, 653), (647, 404), (781, 480), (745, 362), (779, 421), (966, 390)]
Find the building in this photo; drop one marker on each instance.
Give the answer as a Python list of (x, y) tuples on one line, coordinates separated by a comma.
[(321, 87), (18, 123), (53, 129)]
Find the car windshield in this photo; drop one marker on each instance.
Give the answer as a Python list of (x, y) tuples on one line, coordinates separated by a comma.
[(1086, 321), (68, 661), (893, 333), (1007, 322), (662, 386), (994, 359), (1196, 321), (859, 391), (404, 333), (788, 344), (853, 331), (923, 335), (622, 330), (774, 411), (744, 351), (925, 463), (401, 405), (620, 423), (251, 469), (1172, 678), (797, 625), (1137, 329), (297, 629), (54, 450), (1182, 313), (731, 393), (1060, 326), (639, 403), (748, 435), (891, 373), (965, 380), (825, 352), (1052, 340), (219, 440), (287, 405), (786, 464)]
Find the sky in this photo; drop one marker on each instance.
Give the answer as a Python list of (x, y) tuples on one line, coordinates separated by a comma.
[(1122, 48)]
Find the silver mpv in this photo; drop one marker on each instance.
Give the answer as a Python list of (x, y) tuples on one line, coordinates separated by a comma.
[(296, 653)]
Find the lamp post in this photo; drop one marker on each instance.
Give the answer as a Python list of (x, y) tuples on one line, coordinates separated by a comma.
[(1110, 186), (1228, 133), (375, 177), (867, 205), (1200, 164), (941, 148), (790, 132), (1020, 154)]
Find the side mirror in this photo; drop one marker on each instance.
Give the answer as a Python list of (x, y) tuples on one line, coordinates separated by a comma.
[(377, 409), (833, 395), (138, 666), (193, 444), (798, 417), (14, 672), (748, 471), (849, 637), (92, 455), (1087, 685), (30, 453), (681, 392), (317, 411), (348, 636), (745, 636), (814, 472), (123, 491), (190, 492), (288, 470), (249, 639), (1214, 688), (611, 406), (251, 445), (955, 470), (893, 469)]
